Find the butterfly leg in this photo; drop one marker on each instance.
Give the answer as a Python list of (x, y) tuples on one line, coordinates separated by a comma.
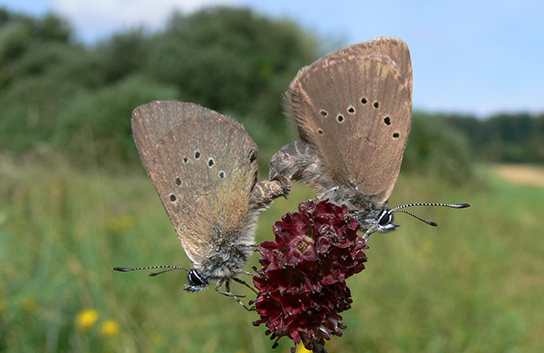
[(227, 285), (241, 281), (246, 273), (229, 294)]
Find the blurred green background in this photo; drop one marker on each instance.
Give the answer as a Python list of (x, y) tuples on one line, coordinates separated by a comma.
[(75, 200)]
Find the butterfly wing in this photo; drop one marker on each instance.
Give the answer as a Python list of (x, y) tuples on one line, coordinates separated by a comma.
[(396, 50), (203, 165), (354, 105)]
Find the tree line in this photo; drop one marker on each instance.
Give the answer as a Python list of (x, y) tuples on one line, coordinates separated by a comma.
[(79, 98), (503, 138), (60, 95)]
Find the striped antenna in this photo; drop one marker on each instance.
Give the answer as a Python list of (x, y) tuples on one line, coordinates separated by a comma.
[(168, 269), (431, 223)]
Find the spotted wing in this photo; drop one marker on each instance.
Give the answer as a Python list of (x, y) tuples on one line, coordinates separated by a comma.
[(355, 106), (203, 165)]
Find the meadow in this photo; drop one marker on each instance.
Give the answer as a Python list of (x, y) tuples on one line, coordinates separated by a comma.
[(475, 283), (75, 201)]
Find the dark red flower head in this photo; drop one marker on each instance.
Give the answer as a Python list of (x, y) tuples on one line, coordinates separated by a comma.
[(302, 284)]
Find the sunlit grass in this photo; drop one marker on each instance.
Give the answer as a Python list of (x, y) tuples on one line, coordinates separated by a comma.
[(473, 284)]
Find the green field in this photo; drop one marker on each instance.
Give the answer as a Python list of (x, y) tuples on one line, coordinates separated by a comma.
[(473, 284)]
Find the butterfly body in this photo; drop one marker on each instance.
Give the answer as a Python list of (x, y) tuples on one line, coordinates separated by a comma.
[(299, 161)]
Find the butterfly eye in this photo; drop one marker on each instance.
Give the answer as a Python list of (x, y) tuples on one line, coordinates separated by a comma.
[(385, 218), (194, 278)]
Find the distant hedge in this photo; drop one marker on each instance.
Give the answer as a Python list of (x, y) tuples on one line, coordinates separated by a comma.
[(77, 99)]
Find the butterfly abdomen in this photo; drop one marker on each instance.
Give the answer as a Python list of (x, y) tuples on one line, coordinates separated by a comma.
[(299, 161)]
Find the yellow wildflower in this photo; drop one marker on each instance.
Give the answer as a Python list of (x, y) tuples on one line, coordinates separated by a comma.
[(110, 328), (86, 319), (302, 349)]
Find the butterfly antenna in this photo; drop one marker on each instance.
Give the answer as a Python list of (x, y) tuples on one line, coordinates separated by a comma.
[(434, 224), (168, 269), (452, 205), (431, 223)]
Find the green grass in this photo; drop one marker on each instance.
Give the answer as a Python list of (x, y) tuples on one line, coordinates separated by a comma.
[(473, 284)]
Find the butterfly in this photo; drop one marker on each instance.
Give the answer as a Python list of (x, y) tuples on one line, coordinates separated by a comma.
[(204, 168), (352, 109)]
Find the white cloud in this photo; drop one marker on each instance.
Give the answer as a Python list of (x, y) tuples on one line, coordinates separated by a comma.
[(97, 19)]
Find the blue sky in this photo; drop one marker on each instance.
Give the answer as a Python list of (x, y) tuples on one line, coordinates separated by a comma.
[(472, 56)]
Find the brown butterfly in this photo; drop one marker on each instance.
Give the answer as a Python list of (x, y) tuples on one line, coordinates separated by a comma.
[(353, 109), (204, 168)]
